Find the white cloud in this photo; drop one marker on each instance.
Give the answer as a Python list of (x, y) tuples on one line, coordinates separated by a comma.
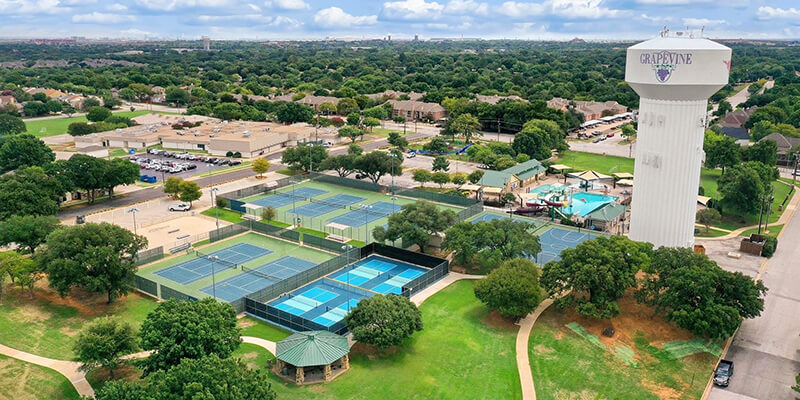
[(778, 13), (135, 32), (462, 7), (116, 7), (412, 10), (254, 8), (697, 22), (335, 17), (655, 19), (169, 5), (30, 7), (267, 20), (101, 18), (573, 9), (288, 4), (672, 2)]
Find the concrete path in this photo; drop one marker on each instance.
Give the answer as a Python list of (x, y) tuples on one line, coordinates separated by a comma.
[(271, 346), (429, 291), (67, 368), (523, 362)]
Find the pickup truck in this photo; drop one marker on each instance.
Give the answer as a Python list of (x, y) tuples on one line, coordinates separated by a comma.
[(723, 373)]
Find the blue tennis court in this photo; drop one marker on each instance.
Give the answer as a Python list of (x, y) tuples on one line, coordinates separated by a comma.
[(201, 267), (286, 197), (555, 240), (361, 216), (379, 274), (319, 207), (236, 287), (325, 301), (490, 216)]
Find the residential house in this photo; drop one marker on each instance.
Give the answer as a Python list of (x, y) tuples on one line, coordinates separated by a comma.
[(315, 101), (785, 146), (6, 100), (739, 133), (591, 110), (50, 93), (417, 110), (74, 100), (738, 118), (159, 94)]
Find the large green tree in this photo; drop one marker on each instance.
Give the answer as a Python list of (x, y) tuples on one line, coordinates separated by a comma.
[(11, 125), (24, 151), (415, 223), (27, 231), (189, 191), (351, 132), (742, 189), (375, 164), (465, 125), (97, 114), (512, 289), (119, 171), (206, 378), (534, 142), (489, 243), (103, 342), (181, 329), (721, 151), (98, 257), (384, 321), (440, 163), (696, 294), (29, 191), (294, 112), (595, 274), (305, 157), (398, 140), (765, 151)]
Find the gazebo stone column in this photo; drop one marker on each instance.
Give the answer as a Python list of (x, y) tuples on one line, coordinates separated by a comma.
[(327, 373), (300, 376), (345, 361), (279, 366)]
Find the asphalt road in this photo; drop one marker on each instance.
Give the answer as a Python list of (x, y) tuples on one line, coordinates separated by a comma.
[(766, 350)]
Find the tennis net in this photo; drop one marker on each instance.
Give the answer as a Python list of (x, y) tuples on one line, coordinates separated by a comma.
[(306, 301), (328, 203), (261, 274), (373, 211), (290, 195), (216, 260)]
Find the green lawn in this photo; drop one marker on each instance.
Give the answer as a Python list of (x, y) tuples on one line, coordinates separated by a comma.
[(57, 126), (459, 355), (711, 233), (774, 230), (47, 325), (260, 329), (567, 366), (21, 380), (732, 221), (256, 357), (312, 232), (224, 214), (383, 132), (581, 161)]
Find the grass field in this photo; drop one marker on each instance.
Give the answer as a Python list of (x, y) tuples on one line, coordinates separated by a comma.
[(224, 214), (711, 233), (773, 230), (567, 366), (320, 223), (279, 249), (57, 126), (47, 324), (24, 381), (581, 161), (462, 353), (260, 329)]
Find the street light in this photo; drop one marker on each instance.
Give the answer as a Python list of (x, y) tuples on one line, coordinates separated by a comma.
[(214, 204), (133, 211)]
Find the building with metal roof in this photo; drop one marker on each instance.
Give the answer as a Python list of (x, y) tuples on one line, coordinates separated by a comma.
[(313, 356), (606, 217)]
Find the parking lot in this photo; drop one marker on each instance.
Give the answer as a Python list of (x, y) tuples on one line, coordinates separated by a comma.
[(163, 164)]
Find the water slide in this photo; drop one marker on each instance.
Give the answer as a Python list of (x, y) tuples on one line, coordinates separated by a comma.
[(463, 149)]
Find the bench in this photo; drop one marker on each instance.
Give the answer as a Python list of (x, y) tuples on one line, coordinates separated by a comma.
[(338, 238), (180, 247)]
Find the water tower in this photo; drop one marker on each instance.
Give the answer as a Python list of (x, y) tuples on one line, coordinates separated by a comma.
[(674, 75)]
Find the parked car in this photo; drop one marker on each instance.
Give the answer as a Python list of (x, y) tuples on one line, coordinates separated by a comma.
[(483, 166), (180, 207), (597, 140), (723, 373), (411, 154), (611, 134), (191, 166), (234, 162)]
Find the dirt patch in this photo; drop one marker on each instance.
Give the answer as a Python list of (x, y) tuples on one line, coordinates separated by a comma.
[(582, 395), (495, 320), (372, 352), (125, 372), (317, 388), (663, 392), (245, 323), (85, 303), (458, 268), (542, 349)]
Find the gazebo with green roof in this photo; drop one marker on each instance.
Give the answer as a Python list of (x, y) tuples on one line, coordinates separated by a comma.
[(311, 357)]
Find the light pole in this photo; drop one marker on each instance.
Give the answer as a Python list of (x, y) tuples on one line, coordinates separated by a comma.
[(346, 249), (213, 277), (214, 204), (366, 208), (133, 211)]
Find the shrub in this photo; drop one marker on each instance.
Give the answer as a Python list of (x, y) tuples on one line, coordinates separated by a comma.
[(229, 154), (222, 202), (237, 155), (770, 245)]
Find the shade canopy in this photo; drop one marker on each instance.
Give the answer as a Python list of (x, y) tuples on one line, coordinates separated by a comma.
[(313, 348), (623, 175), (470, 187), (625, 182), (589, 175), (492, 190), (560, 167)]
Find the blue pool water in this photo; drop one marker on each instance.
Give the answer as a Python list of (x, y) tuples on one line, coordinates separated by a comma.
[(582, 202)]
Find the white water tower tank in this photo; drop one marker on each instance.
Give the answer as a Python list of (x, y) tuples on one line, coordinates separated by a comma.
[(674, 75)]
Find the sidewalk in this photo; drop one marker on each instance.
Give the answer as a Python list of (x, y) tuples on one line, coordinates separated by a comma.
[(67, 368), (523, 362)]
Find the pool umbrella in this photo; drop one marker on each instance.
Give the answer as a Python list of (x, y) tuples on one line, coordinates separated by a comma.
[(589, 176), (561, 168)]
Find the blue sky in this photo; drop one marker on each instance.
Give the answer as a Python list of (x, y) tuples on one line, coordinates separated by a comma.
[(313, 19)]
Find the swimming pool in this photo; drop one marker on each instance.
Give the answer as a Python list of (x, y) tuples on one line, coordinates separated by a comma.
[(582, 202)]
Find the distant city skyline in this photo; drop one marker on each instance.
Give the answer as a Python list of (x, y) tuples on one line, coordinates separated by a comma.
[(310, 19)]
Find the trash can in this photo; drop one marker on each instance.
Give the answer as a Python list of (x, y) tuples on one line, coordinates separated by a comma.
[(80, 219)]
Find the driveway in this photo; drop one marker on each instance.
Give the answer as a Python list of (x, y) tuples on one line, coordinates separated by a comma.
[(609, 146), (766, 350)]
